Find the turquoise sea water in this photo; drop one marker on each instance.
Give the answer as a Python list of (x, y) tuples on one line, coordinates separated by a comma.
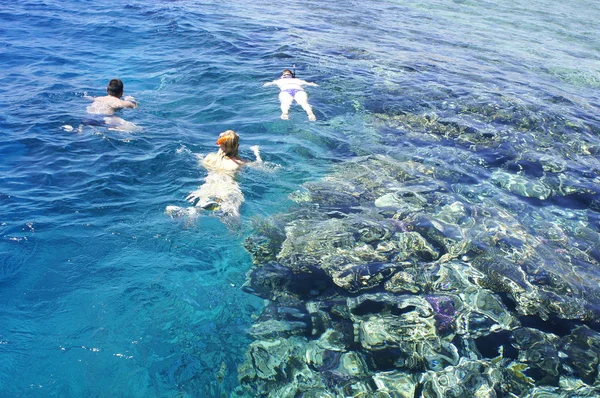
[(102, 294)]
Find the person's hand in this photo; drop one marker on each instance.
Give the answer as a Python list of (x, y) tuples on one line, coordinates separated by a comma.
[(129, 98)]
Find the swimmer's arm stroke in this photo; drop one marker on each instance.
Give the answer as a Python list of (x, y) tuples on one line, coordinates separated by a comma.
[(256, 150), (129, 102)]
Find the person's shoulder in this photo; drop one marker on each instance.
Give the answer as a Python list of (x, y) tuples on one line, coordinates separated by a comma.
[(211, 156), (210, 159), (109, 100), (104, 99)]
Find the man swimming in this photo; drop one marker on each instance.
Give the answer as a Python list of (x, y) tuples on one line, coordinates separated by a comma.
[(109, 104), (291, 89)]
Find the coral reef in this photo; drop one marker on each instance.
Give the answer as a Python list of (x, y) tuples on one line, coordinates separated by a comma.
[(385, 282)]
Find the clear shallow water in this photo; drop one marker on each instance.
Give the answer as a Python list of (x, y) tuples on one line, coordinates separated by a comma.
[(102, 294)]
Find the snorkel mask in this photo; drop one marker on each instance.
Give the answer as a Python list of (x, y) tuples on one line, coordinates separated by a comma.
[(288, 74)]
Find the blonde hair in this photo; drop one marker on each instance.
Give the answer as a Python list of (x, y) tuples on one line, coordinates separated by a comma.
[(230, 142)]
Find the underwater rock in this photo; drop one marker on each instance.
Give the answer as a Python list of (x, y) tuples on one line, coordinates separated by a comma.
[(185, 369), (551, 232), (410, 244), (370, 231), (538, 350), (477, 378), (344, 250), (356, 183), (552, 164), (448, 239), (377, 333), (394, 310), (273, 281), (384, 276), (273, 329), (444, 312), (266, 359), (547, 294), (288, 367), (403, 325), (268, 280), (520, 185), (469, 378), (266, 241), (270, 366), (454, 213), (328, 197), (403, 202), (332, 340), (568, 184), (395, 384), (357, 277), (483, 313), (573, 387), (402, 282), (453, 277), (581, 351), (308, 241), (261, 248)]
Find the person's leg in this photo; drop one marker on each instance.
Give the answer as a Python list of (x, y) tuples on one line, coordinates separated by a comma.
[(286, 101), (302, 98)]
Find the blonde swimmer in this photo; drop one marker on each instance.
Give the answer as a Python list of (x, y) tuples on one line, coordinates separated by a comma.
[(220, 190)]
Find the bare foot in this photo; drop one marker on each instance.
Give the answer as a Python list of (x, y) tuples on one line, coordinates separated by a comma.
[(312, 118), (284, 116)]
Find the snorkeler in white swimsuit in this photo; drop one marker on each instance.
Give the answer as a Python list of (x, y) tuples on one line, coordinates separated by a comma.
[(291, 89)]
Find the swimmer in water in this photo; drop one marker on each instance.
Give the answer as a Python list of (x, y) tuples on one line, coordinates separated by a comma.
[(220, 190), (109, 104), (291, 89)]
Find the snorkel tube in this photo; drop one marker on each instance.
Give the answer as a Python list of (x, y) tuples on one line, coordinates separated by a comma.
[(294, 71)]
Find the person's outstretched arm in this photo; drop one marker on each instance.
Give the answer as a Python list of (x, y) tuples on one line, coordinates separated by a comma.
[(256, 150), (270, 83), (129, 102)]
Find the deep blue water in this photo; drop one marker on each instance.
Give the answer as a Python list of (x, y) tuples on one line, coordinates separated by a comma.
[(102, 294)]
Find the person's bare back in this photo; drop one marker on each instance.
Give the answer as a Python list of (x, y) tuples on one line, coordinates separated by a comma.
[(109, 104)]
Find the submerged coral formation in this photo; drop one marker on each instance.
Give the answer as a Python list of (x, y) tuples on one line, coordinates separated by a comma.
[(384, 282)]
